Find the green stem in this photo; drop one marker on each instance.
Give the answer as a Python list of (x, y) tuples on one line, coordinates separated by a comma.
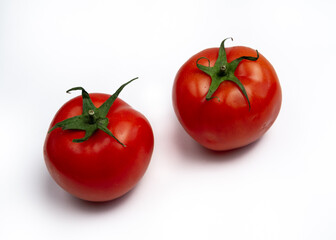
[(223, 70), (92, 119)]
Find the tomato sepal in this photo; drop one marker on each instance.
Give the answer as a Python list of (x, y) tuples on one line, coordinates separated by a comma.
[(92, 118), (224, 71)]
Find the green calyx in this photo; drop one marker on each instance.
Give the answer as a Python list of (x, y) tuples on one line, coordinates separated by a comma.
[(92, 118), (224, 71)]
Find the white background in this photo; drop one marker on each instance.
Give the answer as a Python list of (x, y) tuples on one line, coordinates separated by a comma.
[(281, 187)]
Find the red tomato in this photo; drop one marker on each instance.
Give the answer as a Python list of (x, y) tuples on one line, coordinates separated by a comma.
[(230, 109), (100, 168)]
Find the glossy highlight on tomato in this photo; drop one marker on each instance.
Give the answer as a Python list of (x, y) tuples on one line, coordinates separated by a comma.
[(102, 167), (226, 98)]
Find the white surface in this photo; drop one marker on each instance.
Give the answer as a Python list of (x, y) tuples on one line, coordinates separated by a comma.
[(282, 187)]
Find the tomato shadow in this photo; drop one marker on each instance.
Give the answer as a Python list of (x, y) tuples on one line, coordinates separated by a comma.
[(61, 199), (96, 207), (193, 151)]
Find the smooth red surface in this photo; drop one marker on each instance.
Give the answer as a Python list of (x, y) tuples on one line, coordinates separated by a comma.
[(99, 169), (225, 122)]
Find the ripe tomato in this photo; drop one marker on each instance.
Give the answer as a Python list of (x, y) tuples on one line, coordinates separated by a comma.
[(99, 165), (225, 98)]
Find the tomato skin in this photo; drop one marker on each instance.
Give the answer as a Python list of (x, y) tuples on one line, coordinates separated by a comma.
[(99, 169), (225, 122)]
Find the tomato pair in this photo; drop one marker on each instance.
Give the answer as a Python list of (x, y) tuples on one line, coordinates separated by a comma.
[(98, 147)]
